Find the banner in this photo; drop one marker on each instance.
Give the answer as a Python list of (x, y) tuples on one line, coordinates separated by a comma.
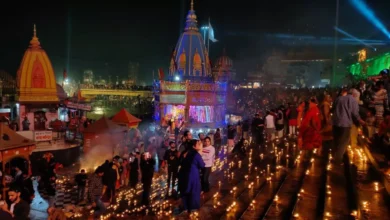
[(172, 99), (43, 135), (84, 107)]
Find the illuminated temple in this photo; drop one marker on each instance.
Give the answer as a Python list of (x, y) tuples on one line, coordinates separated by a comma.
[(191, 95), (36, 88)]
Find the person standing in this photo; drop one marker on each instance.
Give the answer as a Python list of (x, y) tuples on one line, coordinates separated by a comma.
[(161, 152), (346, 109), (125, 172), (309, 136), (217, 141), (292, 115), (270, 126), (96, 190), (258, 129), (147, 169), (134, 169), (208, 156), (280, 122), (191, 163), (81, 180), (231, 133), (171, 158), (185, 145), (111, 175), (326, 123)]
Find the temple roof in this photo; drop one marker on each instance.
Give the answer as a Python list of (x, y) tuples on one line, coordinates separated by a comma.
[(190, 58), (124, 117), (104, 125), (9, 139), (35, 77)]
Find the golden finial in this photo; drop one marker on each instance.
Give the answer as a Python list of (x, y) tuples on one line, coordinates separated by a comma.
[(34, 42), (192, 5), (35, 31)]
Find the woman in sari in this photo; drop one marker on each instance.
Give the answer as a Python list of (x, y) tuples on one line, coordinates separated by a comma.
[(310, 130), (191, 163)]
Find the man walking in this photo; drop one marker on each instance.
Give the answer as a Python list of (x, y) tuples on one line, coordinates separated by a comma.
[(346, 109), (96, 191)]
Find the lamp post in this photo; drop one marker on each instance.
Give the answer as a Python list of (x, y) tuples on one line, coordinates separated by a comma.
[(204, 29)]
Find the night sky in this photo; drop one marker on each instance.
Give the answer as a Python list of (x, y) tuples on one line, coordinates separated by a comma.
[(105, 37)]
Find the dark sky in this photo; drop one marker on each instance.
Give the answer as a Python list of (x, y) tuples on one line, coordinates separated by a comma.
[(105, 37)]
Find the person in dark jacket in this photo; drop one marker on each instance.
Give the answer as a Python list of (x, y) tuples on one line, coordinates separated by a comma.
[(81, 181), (147, 169), (134, 169), (171, 158), (258, 129), (185, 145), (28, 189), (111, 176)]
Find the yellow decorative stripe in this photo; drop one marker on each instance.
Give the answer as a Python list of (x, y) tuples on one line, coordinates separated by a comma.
[(26, 93)]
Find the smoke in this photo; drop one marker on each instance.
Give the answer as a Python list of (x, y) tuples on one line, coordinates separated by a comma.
[(96, 157)]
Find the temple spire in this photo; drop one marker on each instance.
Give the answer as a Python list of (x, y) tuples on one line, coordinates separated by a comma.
[(34, 42), (35, 31), (191, 22)]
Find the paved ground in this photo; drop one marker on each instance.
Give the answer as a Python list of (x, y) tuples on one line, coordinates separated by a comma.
[(275, 181)]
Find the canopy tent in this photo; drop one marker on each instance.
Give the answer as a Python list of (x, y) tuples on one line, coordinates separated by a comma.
[(103, 132), (13, 145), (104, 125), (123, 117)]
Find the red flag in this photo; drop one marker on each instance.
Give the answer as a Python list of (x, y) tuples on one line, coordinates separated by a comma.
[(64, 74), (160, 74)]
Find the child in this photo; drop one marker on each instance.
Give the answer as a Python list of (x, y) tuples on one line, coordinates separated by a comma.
[(370, 123)]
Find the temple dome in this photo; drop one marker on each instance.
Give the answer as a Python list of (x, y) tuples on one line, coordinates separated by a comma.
[(35, 77), (224, 61), (223, 69), (190, 59)]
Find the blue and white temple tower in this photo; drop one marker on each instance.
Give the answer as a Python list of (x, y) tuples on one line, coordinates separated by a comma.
[(190, 59)]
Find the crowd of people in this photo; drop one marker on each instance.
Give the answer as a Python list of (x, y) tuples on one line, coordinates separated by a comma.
[(331, 118), (317, 117), (188, 167)]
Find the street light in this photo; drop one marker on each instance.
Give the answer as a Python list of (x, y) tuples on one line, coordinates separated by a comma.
[(205, 29), (177, 78)]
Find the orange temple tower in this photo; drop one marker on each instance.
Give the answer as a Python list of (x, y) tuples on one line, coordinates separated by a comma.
[(36, 88)]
